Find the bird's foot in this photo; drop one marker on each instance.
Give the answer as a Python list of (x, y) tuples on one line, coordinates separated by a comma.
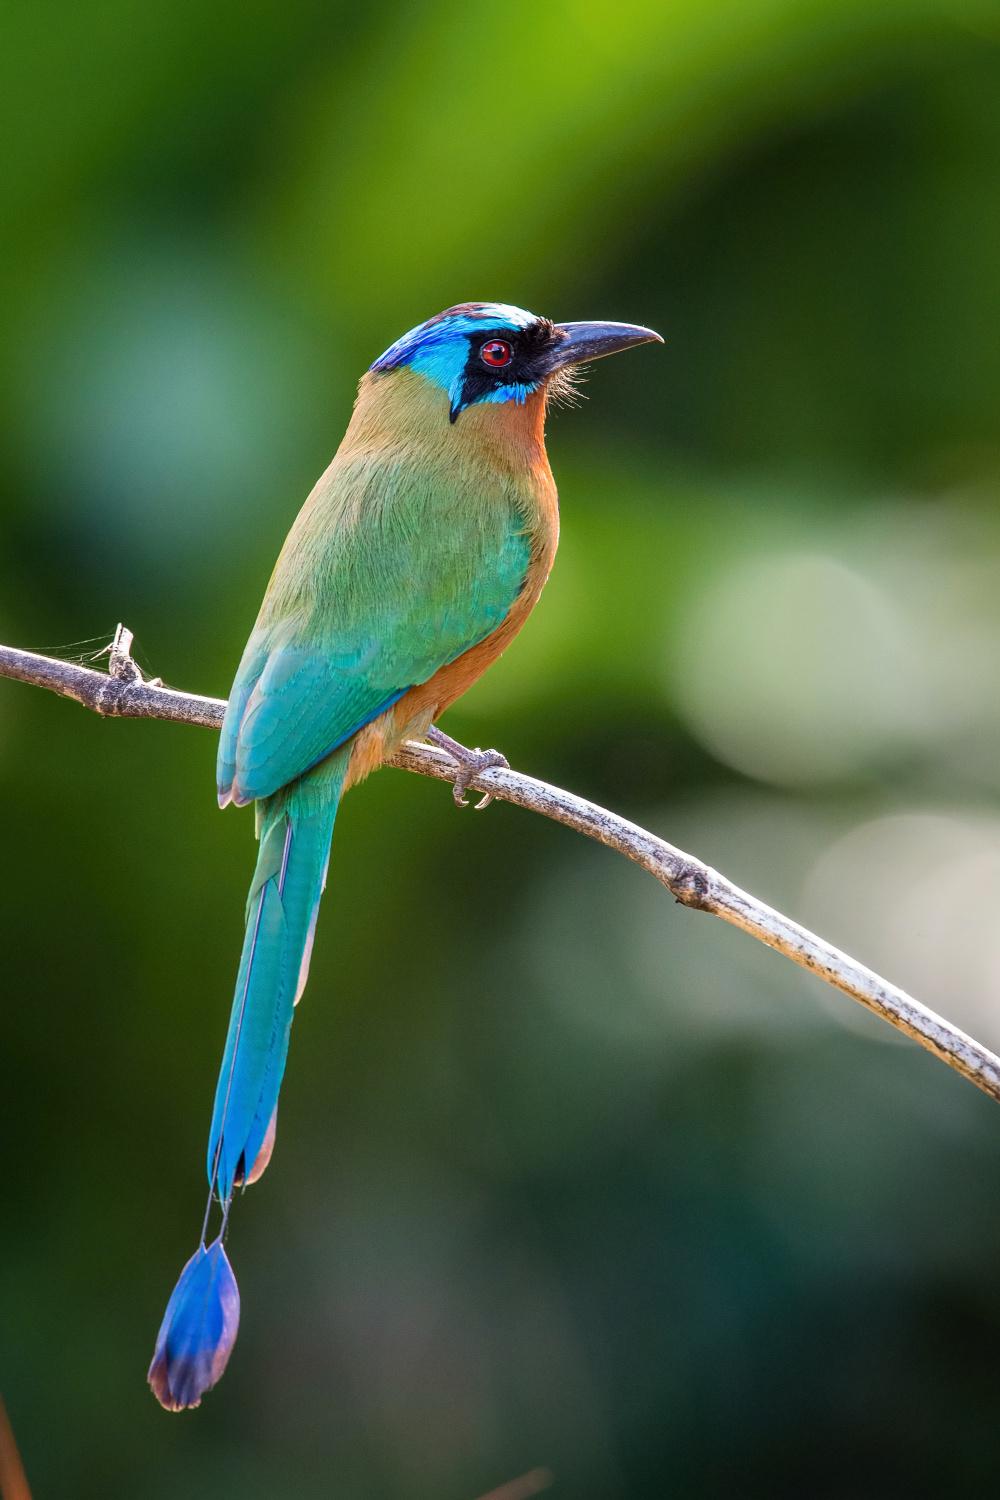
[(471, 763)]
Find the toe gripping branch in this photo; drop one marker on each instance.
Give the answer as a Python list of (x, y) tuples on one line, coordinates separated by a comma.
[(471, 763)]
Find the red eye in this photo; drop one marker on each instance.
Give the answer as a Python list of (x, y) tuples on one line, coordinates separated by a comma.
[(496, 353)]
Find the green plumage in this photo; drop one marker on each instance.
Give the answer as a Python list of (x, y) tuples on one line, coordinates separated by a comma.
[(399, 562)]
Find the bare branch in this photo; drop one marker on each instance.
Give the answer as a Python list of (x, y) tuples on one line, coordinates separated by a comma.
[(694, 884), (118, 695)]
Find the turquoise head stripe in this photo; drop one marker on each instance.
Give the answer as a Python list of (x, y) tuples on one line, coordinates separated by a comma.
[(439, 348)]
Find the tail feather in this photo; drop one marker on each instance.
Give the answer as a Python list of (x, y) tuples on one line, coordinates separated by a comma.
[(263, 1155), (295, 827)]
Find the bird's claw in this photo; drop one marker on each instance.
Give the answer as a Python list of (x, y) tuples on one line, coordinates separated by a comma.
[(471, 763), (479, 760)]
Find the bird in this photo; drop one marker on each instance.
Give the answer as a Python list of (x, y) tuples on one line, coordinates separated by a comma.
[(413, 564)]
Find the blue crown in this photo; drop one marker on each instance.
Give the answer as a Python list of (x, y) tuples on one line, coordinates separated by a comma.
[(439, 350)]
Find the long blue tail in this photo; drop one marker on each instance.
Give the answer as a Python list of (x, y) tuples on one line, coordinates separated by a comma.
[(294, 827)]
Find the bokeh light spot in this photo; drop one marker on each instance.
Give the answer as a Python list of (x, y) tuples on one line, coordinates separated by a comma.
[(798, 669)]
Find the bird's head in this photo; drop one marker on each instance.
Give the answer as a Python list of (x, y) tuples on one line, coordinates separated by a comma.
[(491, 352)]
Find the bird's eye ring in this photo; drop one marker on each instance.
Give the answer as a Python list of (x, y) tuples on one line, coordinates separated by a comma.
[(496, 353)]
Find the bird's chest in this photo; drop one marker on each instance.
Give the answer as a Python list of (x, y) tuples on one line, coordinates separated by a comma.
[(501, 452)]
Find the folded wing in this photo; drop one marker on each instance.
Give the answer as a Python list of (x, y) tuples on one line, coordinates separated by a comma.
[(317, 670)]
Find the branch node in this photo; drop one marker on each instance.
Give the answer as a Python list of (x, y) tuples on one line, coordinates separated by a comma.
[(693, 889)]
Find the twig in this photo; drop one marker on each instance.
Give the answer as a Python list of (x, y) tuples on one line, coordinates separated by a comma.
[(122, 694), (694, 884), (13, 1480)]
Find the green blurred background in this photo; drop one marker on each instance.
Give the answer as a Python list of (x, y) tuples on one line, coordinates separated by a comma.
[(566, 1174)]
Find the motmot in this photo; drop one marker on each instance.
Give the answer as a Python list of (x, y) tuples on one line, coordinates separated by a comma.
[(413, 564)]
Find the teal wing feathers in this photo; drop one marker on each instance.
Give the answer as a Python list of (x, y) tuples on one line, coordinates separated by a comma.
[(398, 602), (299, 707)]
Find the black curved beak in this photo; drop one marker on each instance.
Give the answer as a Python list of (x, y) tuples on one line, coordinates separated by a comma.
[(586, 341)]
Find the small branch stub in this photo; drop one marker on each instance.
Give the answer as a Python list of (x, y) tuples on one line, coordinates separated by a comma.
[(120, 664), (124, 693)]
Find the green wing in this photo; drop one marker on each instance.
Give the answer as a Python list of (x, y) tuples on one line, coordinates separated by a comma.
[(384, 579)]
